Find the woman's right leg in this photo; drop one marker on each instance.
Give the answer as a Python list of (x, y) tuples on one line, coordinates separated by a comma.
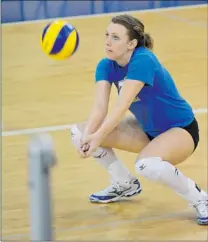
[(127, 136)]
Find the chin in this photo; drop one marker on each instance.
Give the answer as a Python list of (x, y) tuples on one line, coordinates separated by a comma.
[(110, 56)]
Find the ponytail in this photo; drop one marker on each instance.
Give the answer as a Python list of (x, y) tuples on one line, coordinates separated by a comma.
[(148, 41)]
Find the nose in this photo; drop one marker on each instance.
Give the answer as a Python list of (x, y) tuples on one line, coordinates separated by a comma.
[(108, 41)]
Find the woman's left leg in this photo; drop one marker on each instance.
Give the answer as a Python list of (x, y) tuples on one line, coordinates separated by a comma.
[(156, 162)]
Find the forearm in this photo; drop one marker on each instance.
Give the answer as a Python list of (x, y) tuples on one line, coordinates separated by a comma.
[(100, 107), (112, 120), (95, 120)]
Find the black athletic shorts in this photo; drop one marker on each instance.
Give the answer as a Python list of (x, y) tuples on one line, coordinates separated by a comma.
[(192, 129)]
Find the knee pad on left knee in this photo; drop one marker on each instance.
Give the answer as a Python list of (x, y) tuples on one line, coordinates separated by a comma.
[(151, 167)]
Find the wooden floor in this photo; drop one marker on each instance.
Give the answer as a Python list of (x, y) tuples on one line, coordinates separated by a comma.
[(39, 92)]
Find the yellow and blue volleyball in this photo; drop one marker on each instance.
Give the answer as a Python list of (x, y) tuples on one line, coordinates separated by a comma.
[(59, 40)]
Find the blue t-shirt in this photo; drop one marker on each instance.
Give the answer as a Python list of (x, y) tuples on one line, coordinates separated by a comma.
[(158, 106)]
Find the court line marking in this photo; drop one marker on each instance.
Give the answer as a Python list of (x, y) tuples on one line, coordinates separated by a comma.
[(61, 127), (174, 8), (111, 223)]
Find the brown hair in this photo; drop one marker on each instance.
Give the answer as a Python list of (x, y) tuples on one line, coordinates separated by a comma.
[(135, 30)]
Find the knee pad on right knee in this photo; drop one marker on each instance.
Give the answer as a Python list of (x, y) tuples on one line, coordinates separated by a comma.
[(150, 167), (76, 135)]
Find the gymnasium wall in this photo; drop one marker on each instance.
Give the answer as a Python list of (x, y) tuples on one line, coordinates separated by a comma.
[(19, 10)]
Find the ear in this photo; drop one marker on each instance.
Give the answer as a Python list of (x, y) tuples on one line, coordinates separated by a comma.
[(132, 44)]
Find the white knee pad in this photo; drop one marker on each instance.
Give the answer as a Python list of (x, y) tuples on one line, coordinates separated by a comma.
[(76, 136), (151, 168)]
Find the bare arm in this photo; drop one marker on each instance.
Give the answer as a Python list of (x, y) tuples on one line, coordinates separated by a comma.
[(128, 92), (100, 107)]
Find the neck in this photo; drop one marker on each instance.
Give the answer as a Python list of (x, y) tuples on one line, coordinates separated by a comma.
[(124, 59)]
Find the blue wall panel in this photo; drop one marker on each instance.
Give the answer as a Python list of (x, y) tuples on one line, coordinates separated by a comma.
[(19, 10)]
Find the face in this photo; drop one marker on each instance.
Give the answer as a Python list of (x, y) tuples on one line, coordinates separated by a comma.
[(117, 42)]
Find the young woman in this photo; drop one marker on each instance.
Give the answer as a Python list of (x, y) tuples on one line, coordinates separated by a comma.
[(162, 128)]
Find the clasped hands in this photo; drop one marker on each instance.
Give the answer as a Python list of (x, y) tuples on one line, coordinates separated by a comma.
[(89, 143)]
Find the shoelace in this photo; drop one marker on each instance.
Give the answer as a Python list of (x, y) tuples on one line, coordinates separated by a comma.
[(114, 185)]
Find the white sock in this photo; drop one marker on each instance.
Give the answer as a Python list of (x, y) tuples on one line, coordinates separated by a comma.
[(107, 158), (183, 185)]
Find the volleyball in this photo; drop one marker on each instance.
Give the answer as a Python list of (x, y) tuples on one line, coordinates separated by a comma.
[(59, 40)]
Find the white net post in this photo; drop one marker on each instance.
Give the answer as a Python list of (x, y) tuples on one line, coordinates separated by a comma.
[(42, 158)]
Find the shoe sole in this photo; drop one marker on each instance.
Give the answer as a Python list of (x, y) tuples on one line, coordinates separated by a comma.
[(202, 222), (128, 195)]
